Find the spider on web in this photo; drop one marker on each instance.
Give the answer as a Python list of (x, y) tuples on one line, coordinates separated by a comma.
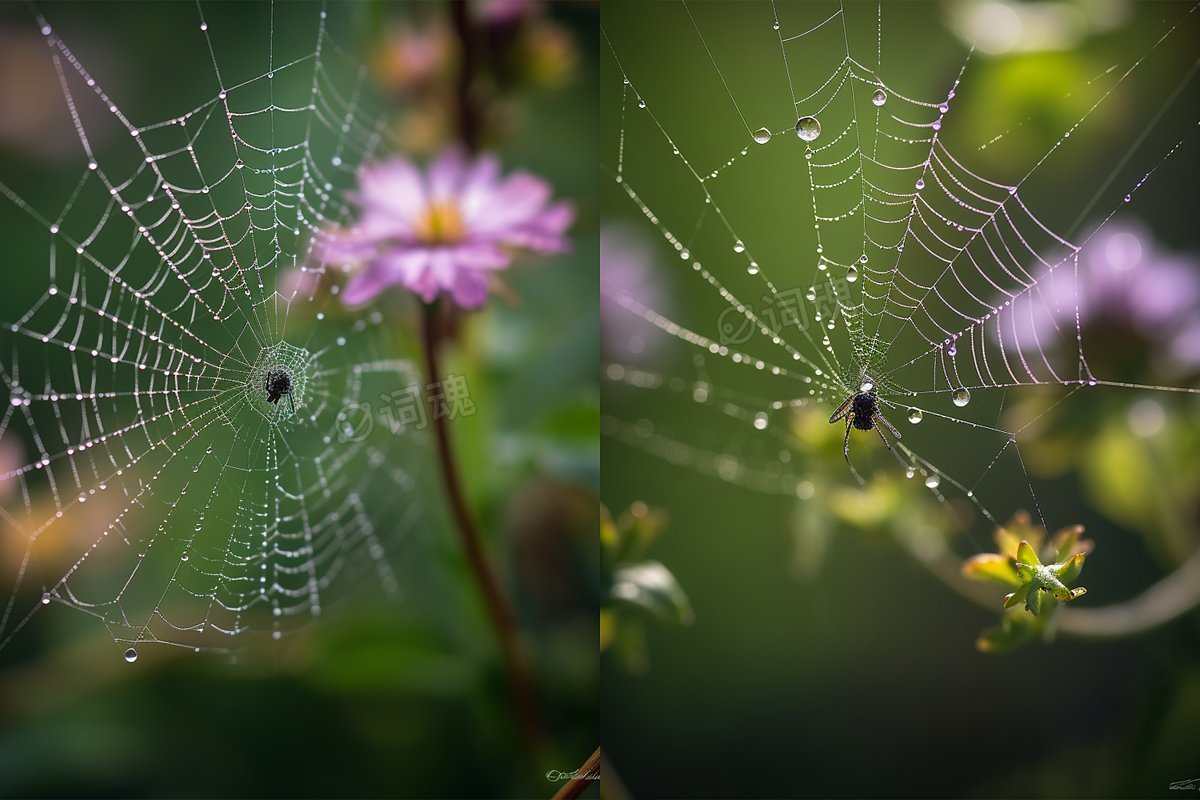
[(861, 411), (279, 383)]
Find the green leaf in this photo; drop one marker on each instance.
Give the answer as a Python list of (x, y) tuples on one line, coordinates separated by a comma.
[(1070, 569), (1026, 554), (1065, 543), (651, 586), (1033, 600), (991, 567), (1016, 597)]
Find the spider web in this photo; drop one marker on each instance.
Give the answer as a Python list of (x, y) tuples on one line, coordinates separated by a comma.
[(872, 252), (158, 491)]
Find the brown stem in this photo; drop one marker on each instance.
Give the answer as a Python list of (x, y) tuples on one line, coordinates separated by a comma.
[(470, 122), (498, 606), (590, 771)]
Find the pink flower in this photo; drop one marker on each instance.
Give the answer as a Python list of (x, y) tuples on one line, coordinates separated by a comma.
[(444, 230)]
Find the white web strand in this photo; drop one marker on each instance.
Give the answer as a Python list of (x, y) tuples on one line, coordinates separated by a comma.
[(165, 496), (955, 275)]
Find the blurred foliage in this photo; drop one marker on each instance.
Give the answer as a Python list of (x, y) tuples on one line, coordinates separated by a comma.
[(638, 589)]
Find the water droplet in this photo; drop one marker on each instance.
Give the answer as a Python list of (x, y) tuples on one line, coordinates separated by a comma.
[(943, 108), (760, 420), (933, 481), (739, 246), (952, 350), (961, 397), (45, 598), (131, 655), (641, 103), (808, 129), (776, 25), (879, 98), (811, 294), (866, 386), (762, 136), (753, 268), (1128, 198), (852, 274), (908, 473), (920, 184), (915, 415), (937, 125)]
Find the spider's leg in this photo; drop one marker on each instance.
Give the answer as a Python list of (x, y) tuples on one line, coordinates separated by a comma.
[(846, 451), (879, 417), (891, 449), (842, 410)]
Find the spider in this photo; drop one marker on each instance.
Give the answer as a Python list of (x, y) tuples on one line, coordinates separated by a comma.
[(279, 383), (861, 411)]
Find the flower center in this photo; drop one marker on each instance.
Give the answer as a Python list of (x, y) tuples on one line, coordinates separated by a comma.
[(441, 224)]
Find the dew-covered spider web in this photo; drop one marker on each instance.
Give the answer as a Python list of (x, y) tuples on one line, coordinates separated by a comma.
[(819, 225), (148, 480)]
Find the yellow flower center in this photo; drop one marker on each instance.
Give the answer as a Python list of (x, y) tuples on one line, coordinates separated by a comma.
[(441, 224)]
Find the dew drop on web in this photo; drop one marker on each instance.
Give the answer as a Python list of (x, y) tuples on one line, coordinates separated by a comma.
[(131, 655), (852, 274), (961, 397), (933, 481), (915, 415), (739, 246), (879, 98), (762, 136), (808, 129)]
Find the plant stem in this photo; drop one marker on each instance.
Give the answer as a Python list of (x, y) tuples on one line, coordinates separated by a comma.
[(470, 124), (496, 602), (590, 771)]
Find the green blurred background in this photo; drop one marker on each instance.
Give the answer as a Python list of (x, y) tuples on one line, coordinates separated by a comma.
[(824, 660), (381, 698)]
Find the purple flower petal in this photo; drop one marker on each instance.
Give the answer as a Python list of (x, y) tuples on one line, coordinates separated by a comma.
[(443, 231)]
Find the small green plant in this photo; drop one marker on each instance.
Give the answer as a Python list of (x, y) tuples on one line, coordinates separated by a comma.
[(1039, 583)]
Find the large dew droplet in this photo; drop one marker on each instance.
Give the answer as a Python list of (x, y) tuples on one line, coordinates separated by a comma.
[(739, 246), (760, 421), (915, 415), (879, 98), (761, 136), (131, 655), (852, 274), (961, 397), (933, 481), (808, 129)]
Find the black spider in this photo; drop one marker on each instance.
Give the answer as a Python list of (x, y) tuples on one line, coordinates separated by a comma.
[(279, 383), (861, 411)]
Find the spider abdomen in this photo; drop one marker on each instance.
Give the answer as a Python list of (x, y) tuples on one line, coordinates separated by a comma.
[(865, 408)]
